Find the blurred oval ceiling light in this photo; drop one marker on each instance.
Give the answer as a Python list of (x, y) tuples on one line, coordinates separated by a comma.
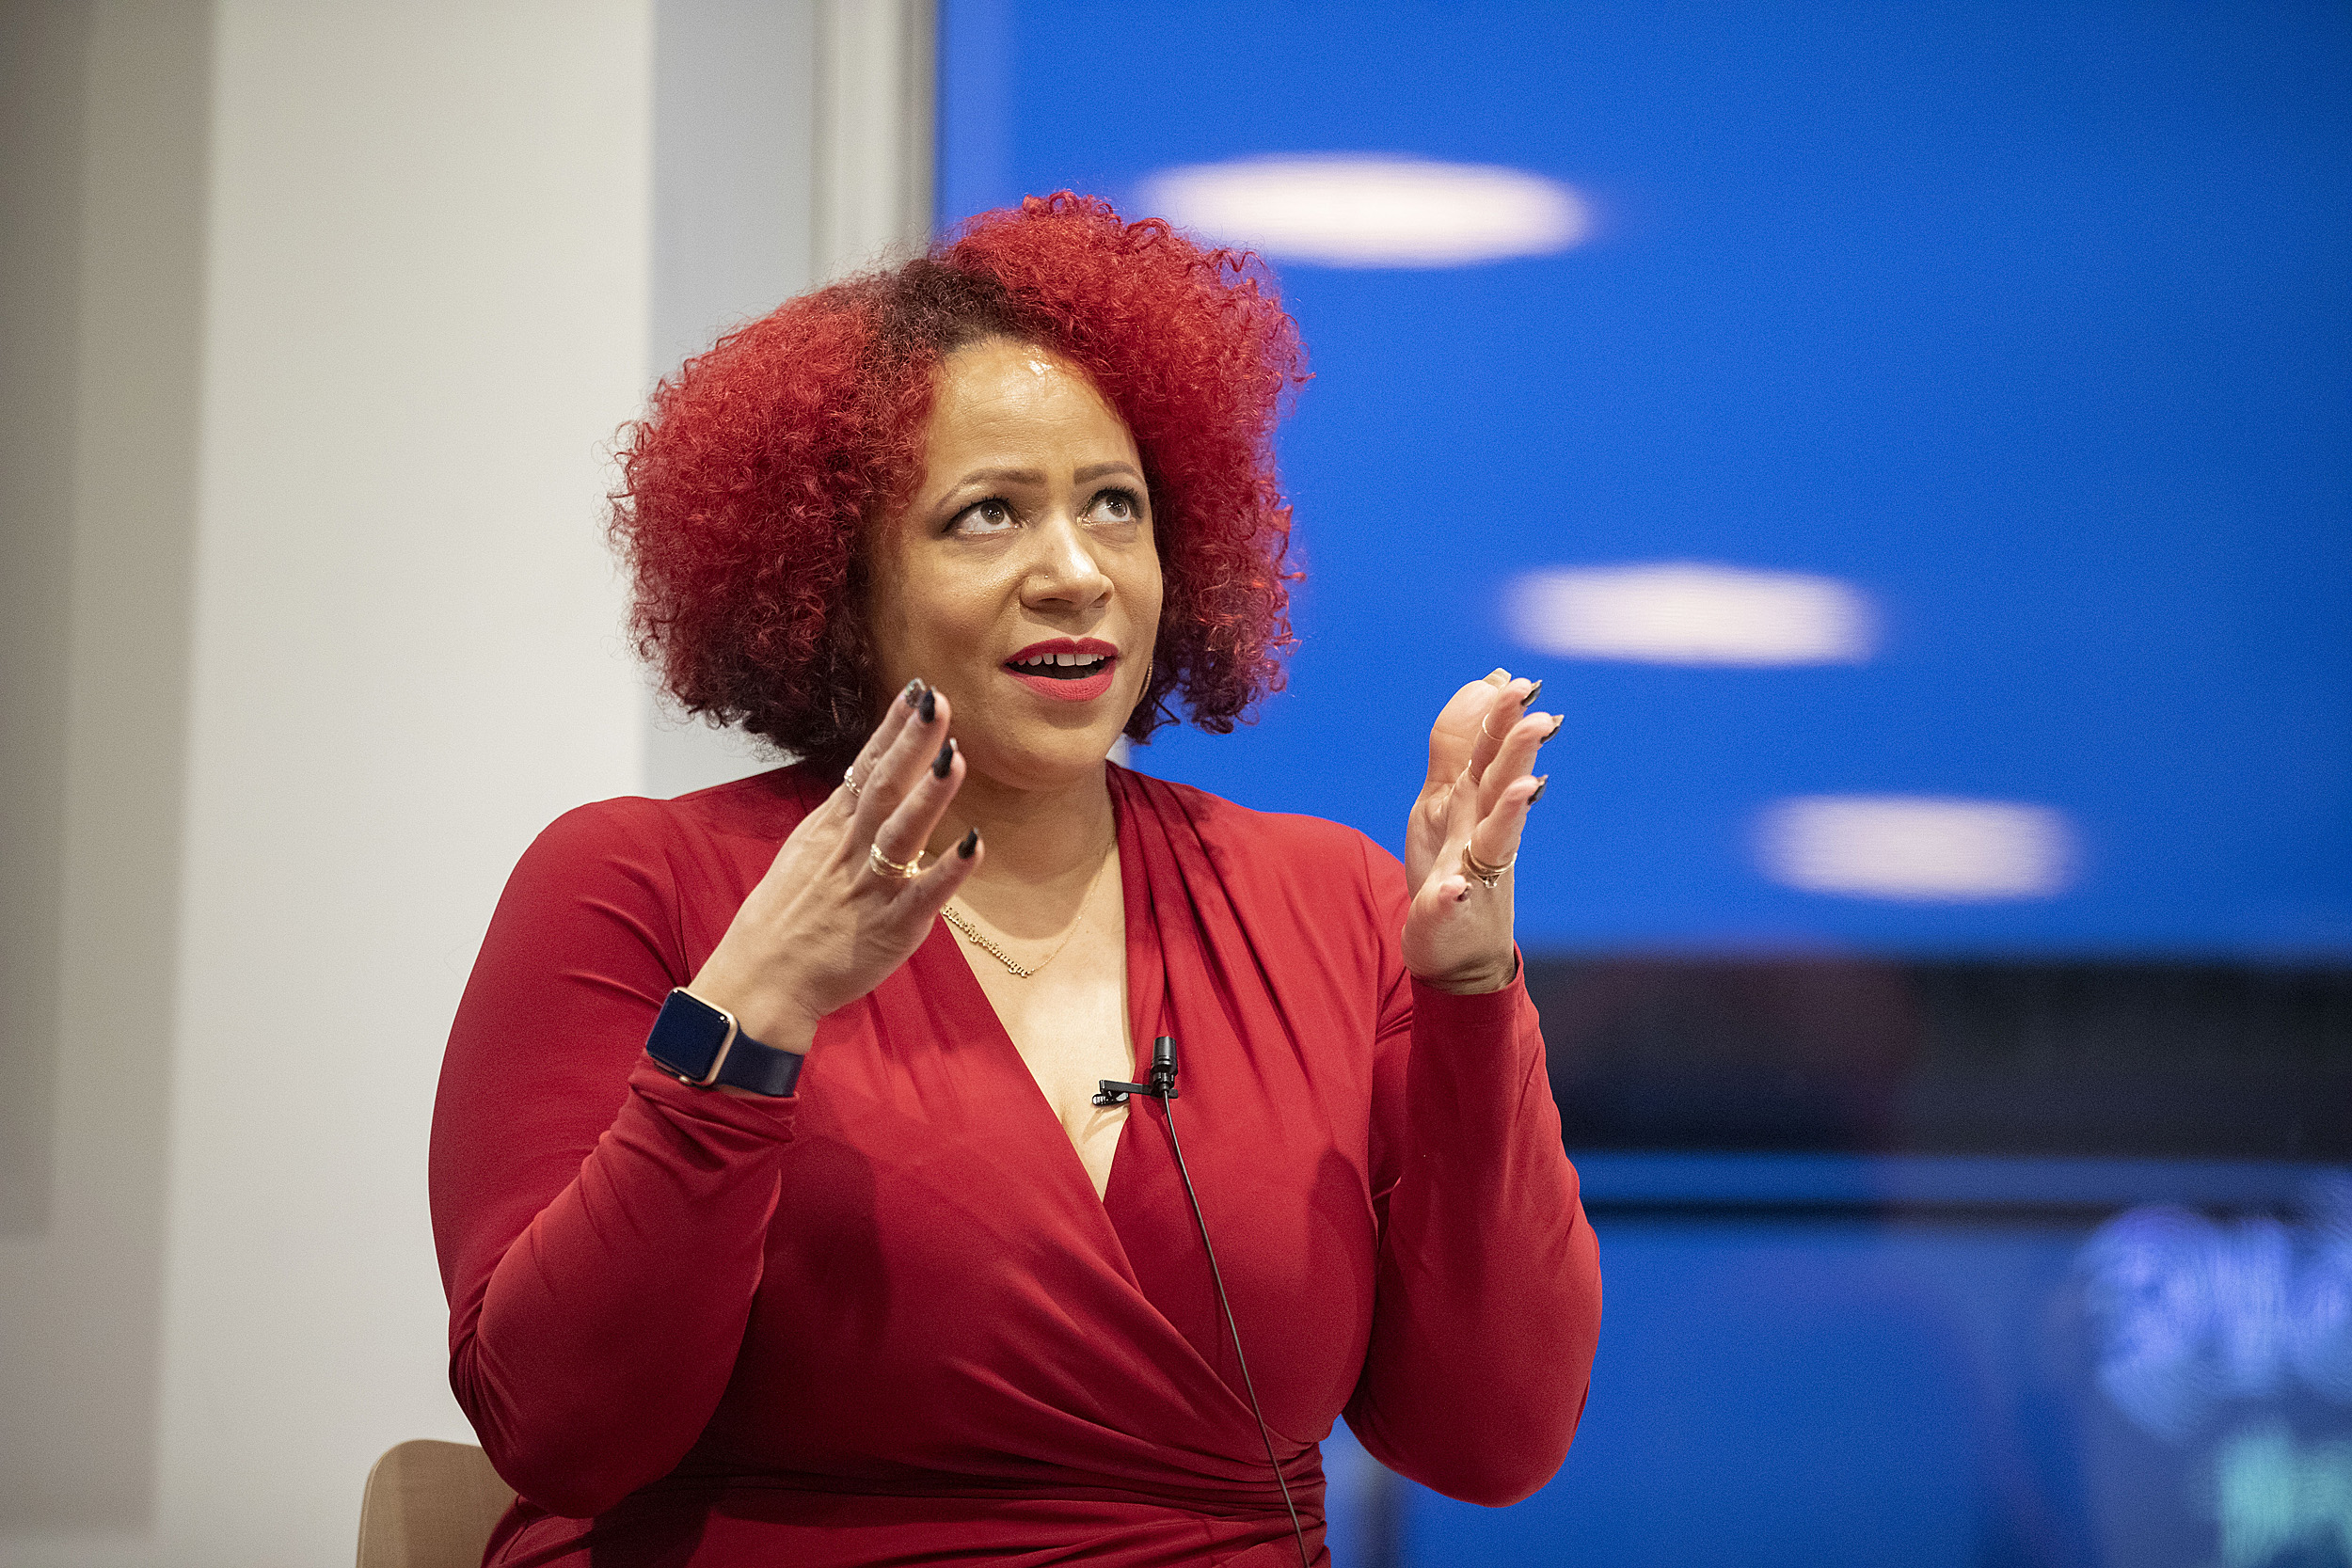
[(1342, 209), (1915, 848), (1687, 612)]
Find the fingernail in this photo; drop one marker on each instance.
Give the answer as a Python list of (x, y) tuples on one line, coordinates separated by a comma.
[(1499, 675), (1529, 700), (970, 841), (1558, 719), (928, 708), (946, 759), (914, 690), (1541, 784)]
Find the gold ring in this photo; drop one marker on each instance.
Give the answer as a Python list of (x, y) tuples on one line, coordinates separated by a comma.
[(885, 867), (1488, 875), (848, 779)]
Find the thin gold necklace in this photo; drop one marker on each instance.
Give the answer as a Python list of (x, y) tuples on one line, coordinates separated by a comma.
[(1019, 971)]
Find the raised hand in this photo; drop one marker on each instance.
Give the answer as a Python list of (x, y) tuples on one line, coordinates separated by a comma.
[(1482, 759), (838, 911)]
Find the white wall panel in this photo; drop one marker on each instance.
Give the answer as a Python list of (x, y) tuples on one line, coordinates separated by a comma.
[(424, 314)]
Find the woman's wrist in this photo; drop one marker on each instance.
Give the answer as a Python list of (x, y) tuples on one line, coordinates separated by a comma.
[(1480, 982), (785, 1029), (765, 1013)]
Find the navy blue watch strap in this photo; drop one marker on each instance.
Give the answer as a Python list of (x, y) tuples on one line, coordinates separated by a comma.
[(689, 1036), (761, 1068)]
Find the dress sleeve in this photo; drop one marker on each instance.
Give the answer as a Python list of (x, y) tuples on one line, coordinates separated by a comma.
[(601, 1225), (1488, 1300)]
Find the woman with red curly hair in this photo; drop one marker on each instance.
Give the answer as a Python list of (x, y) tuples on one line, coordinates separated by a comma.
[(797, 1197)]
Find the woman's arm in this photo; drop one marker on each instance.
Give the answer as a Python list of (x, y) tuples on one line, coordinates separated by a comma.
[(601, 1226), (1488, 1300)]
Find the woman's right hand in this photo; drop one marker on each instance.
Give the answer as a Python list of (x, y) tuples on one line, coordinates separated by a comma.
[(823, 927)]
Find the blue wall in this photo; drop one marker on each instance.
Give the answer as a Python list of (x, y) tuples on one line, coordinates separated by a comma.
[(2027, 323)]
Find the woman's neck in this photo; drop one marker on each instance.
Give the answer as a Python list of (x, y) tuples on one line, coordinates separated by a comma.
[(1037, 839)]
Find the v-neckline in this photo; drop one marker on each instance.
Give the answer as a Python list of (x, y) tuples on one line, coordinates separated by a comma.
[(941, 952)]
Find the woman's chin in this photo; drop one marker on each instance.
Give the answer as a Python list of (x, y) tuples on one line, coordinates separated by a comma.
[(1028, 744)]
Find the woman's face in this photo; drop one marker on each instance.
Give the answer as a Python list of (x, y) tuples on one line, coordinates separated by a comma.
[(1022, 581)]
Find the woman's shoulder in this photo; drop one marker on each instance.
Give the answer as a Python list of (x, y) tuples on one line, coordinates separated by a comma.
[(761, 809)]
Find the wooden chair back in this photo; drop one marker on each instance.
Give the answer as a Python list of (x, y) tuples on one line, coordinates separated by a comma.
[(430, 1505)]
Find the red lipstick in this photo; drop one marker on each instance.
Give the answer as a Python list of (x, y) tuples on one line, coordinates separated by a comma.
[(1068, 670)]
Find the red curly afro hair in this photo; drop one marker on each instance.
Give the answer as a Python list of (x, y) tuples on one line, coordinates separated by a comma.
[(750, 487)]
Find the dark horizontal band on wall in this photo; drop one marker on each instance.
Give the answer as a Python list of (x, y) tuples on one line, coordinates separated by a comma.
[(1957, 1189), (1744, 1211), (2022, 1059)]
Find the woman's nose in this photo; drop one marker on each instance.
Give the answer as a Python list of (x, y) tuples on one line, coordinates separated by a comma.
[(1064, 570)]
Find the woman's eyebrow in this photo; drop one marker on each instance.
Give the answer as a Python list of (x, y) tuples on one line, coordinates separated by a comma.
[(1001, 476), (1031, 476)]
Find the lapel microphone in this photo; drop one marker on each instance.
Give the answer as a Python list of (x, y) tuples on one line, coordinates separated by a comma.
[(1160, 1084)]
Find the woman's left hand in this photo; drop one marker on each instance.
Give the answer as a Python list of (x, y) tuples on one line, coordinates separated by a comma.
[(1482, 760)]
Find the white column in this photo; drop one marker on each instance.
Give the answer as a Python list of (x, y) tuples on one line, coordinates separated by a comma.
[(874, 131), (792, 145), (734, 135)]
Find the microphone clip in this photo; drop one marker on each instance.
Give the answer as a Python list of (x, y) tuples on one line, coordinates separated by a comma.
[(1160, 1083)]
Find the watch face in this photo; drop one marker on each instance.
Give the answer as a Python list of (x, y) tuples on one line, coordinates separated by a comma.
[(688, 1037)]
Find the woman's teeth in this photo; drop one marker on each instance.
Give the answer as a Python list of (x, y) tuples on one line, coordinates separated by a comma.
[(1055, 665)]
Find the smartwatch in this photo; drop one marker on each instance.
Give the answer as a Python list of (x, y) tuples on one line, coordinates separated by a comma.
[(701, 1045)]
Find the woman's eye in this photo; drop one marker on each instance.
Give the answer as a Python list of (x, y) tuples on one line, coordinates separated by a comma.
[(988, 517), (1117, 506)]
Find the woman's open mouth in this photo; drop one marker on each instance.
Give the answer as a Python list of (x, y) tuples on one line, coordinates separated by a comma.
[(1066, 672)]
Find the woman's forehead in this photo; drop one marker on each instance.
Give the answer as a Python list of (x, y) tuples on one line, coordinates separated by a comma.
[(1004, 367), (998, 394)]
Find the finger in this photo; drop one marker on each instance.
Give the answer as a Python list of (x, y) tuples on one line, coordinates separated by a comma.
[(1456, 724), (895, 715), (1514, 756), (1494, 840), (899, 768), (1461, 822), (1506, 704), (908, 827), (944, 876)]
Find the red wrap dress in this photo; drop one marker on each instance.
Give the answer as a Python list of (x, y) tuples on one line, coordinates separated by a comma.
[(888, 1321)]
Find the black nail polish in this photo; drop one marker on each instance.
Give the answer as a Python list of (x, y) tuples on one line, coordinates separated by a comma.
[(913, 691), (1556, 722), (946, 759), (970, 841), (928, 708), (1529, 700), (1541, 784)]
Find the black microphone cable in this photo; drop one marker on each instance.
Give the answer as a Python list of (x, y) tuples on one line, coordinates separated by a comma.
[(1163, 1088)]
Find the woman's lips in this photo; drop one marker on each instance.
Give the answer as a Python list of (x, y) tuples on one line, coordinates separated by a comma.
[(1084, 690)]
